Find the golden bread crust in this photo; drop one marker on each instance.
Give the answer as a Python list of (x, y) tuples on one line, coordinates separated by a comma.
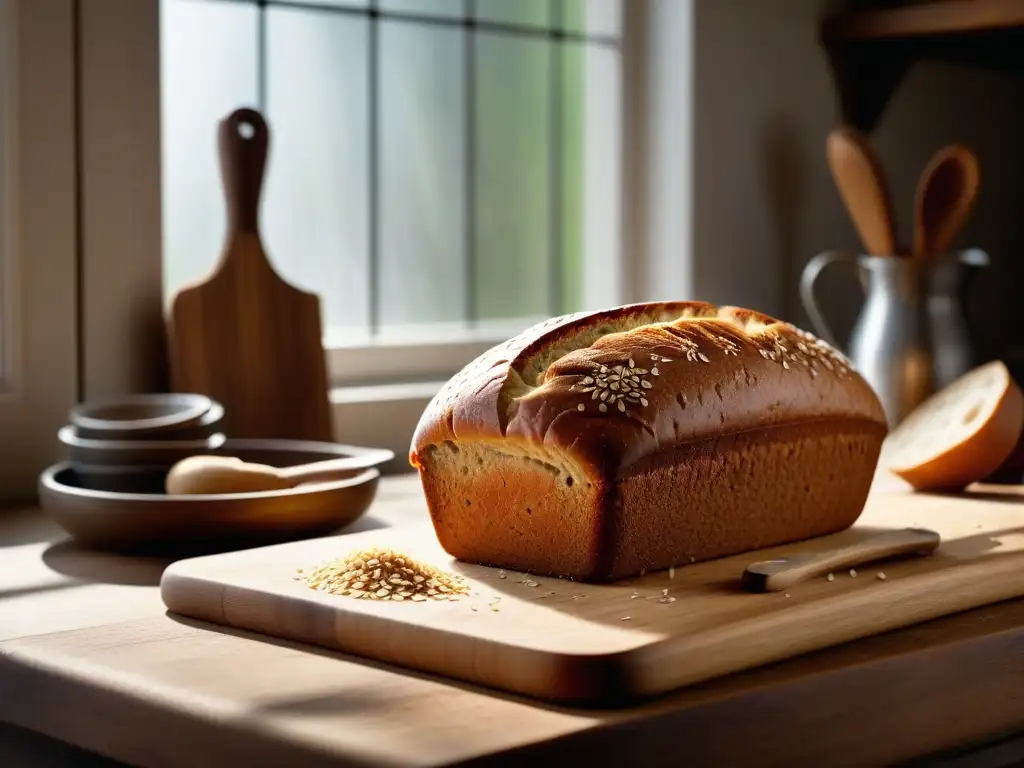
[(604, 390)]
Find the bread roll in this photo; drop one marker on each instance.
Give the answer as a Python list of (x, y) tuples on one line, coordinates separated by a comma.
[(961, 434), (600, 445)]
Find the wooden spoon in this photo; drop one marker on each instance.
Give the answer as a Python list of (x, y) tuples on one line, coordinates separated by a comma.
[(227, 474), (861, 182), (945, 195), (775, 575)]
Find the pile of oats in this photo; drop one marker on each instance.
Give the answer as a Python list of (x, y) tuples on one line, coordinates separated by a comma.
[(381, 574)]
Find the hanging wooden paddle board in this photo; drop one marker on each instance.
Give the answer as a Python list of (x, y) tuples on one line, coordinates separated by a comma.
[(244, 336)]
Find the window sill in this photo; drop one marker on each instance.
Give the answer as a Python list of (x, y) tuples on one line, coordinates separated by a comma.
[(381, 416)]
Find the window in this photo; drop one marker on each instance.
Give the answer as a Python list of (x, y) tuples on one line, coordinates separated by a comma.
[(111, 180), (442, 172)]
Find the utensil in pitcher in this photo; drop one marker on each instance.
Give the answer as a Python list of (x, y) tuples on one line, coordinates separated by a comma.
[(864, 189), (944, 198), (910, 337)]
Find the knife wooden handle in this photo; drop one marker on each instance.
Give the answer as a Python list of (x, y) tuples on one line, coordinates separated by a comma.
[(775, 575)]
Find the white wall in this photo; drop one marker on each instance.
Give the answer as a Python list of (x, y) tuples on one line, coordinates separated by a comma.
[(763, 201)]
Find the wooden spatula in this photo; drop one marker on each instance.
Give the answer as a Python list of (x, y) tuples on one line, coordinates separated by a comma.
[(944, 198), (862, 185), (245, 337)]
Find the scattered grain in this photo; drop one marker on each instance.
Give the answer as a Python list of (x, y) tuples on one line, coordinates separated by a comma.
[(831, 577), (881, 576), (381, 574), (626, 618), (853, 573)]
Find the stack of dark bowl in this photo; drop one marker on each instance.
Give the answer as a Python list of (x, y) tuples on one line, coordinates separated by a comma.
[(129, 444)]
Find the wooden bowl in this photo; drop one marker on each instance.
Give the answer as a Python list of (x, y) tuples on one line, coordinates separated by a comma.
[(207, 426), (139, 416), (121, 479), (119, 453), (156, 522)]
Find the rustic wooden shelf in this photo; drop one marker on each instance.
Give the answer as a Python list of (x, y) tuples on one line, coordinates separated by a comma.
[(940, 17), (871, 50)]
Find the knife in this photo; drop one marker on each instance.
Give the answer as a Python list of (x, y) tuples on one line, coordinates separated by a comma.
[(784, 572)]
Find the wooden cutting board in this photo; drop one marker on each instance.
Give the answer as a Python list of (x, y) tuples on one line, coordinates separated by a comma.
[(588, 644), (244, 336)]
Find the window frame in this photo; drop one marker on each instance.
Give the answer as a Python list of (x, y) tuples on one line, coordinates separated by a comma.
[(118, 57)]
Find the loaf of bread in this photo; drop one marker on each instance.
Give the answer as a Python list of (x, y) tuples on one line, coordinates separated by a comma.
[(600, 445)]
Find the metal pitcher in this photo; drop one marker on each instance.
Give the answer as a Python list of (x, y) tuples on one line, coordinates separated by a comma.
[(911, 337)]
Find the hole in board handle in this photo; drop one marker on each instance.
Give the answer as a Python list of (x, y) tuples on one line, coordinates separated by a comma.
[(246, 130)]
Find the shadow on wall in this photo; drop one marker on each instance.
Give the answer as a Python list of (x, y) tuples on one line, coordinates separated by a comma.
[(764, 199), (784, 167)]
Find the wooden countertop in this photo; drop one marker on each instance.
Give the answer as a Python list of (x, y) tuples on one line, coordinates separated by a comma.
[(89, 656)]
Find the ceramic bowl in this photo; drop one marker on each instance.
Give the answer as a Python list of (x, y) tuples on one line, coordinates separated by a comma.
[(159, 522), (146, 416)]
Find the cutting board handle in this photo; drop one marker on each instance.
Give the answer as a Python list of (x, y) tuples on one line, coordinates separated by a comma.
[(243, 138)]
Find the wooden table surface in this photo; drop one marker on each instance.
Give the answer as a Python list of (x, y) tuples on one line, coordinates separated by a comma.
[(89, 656)]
